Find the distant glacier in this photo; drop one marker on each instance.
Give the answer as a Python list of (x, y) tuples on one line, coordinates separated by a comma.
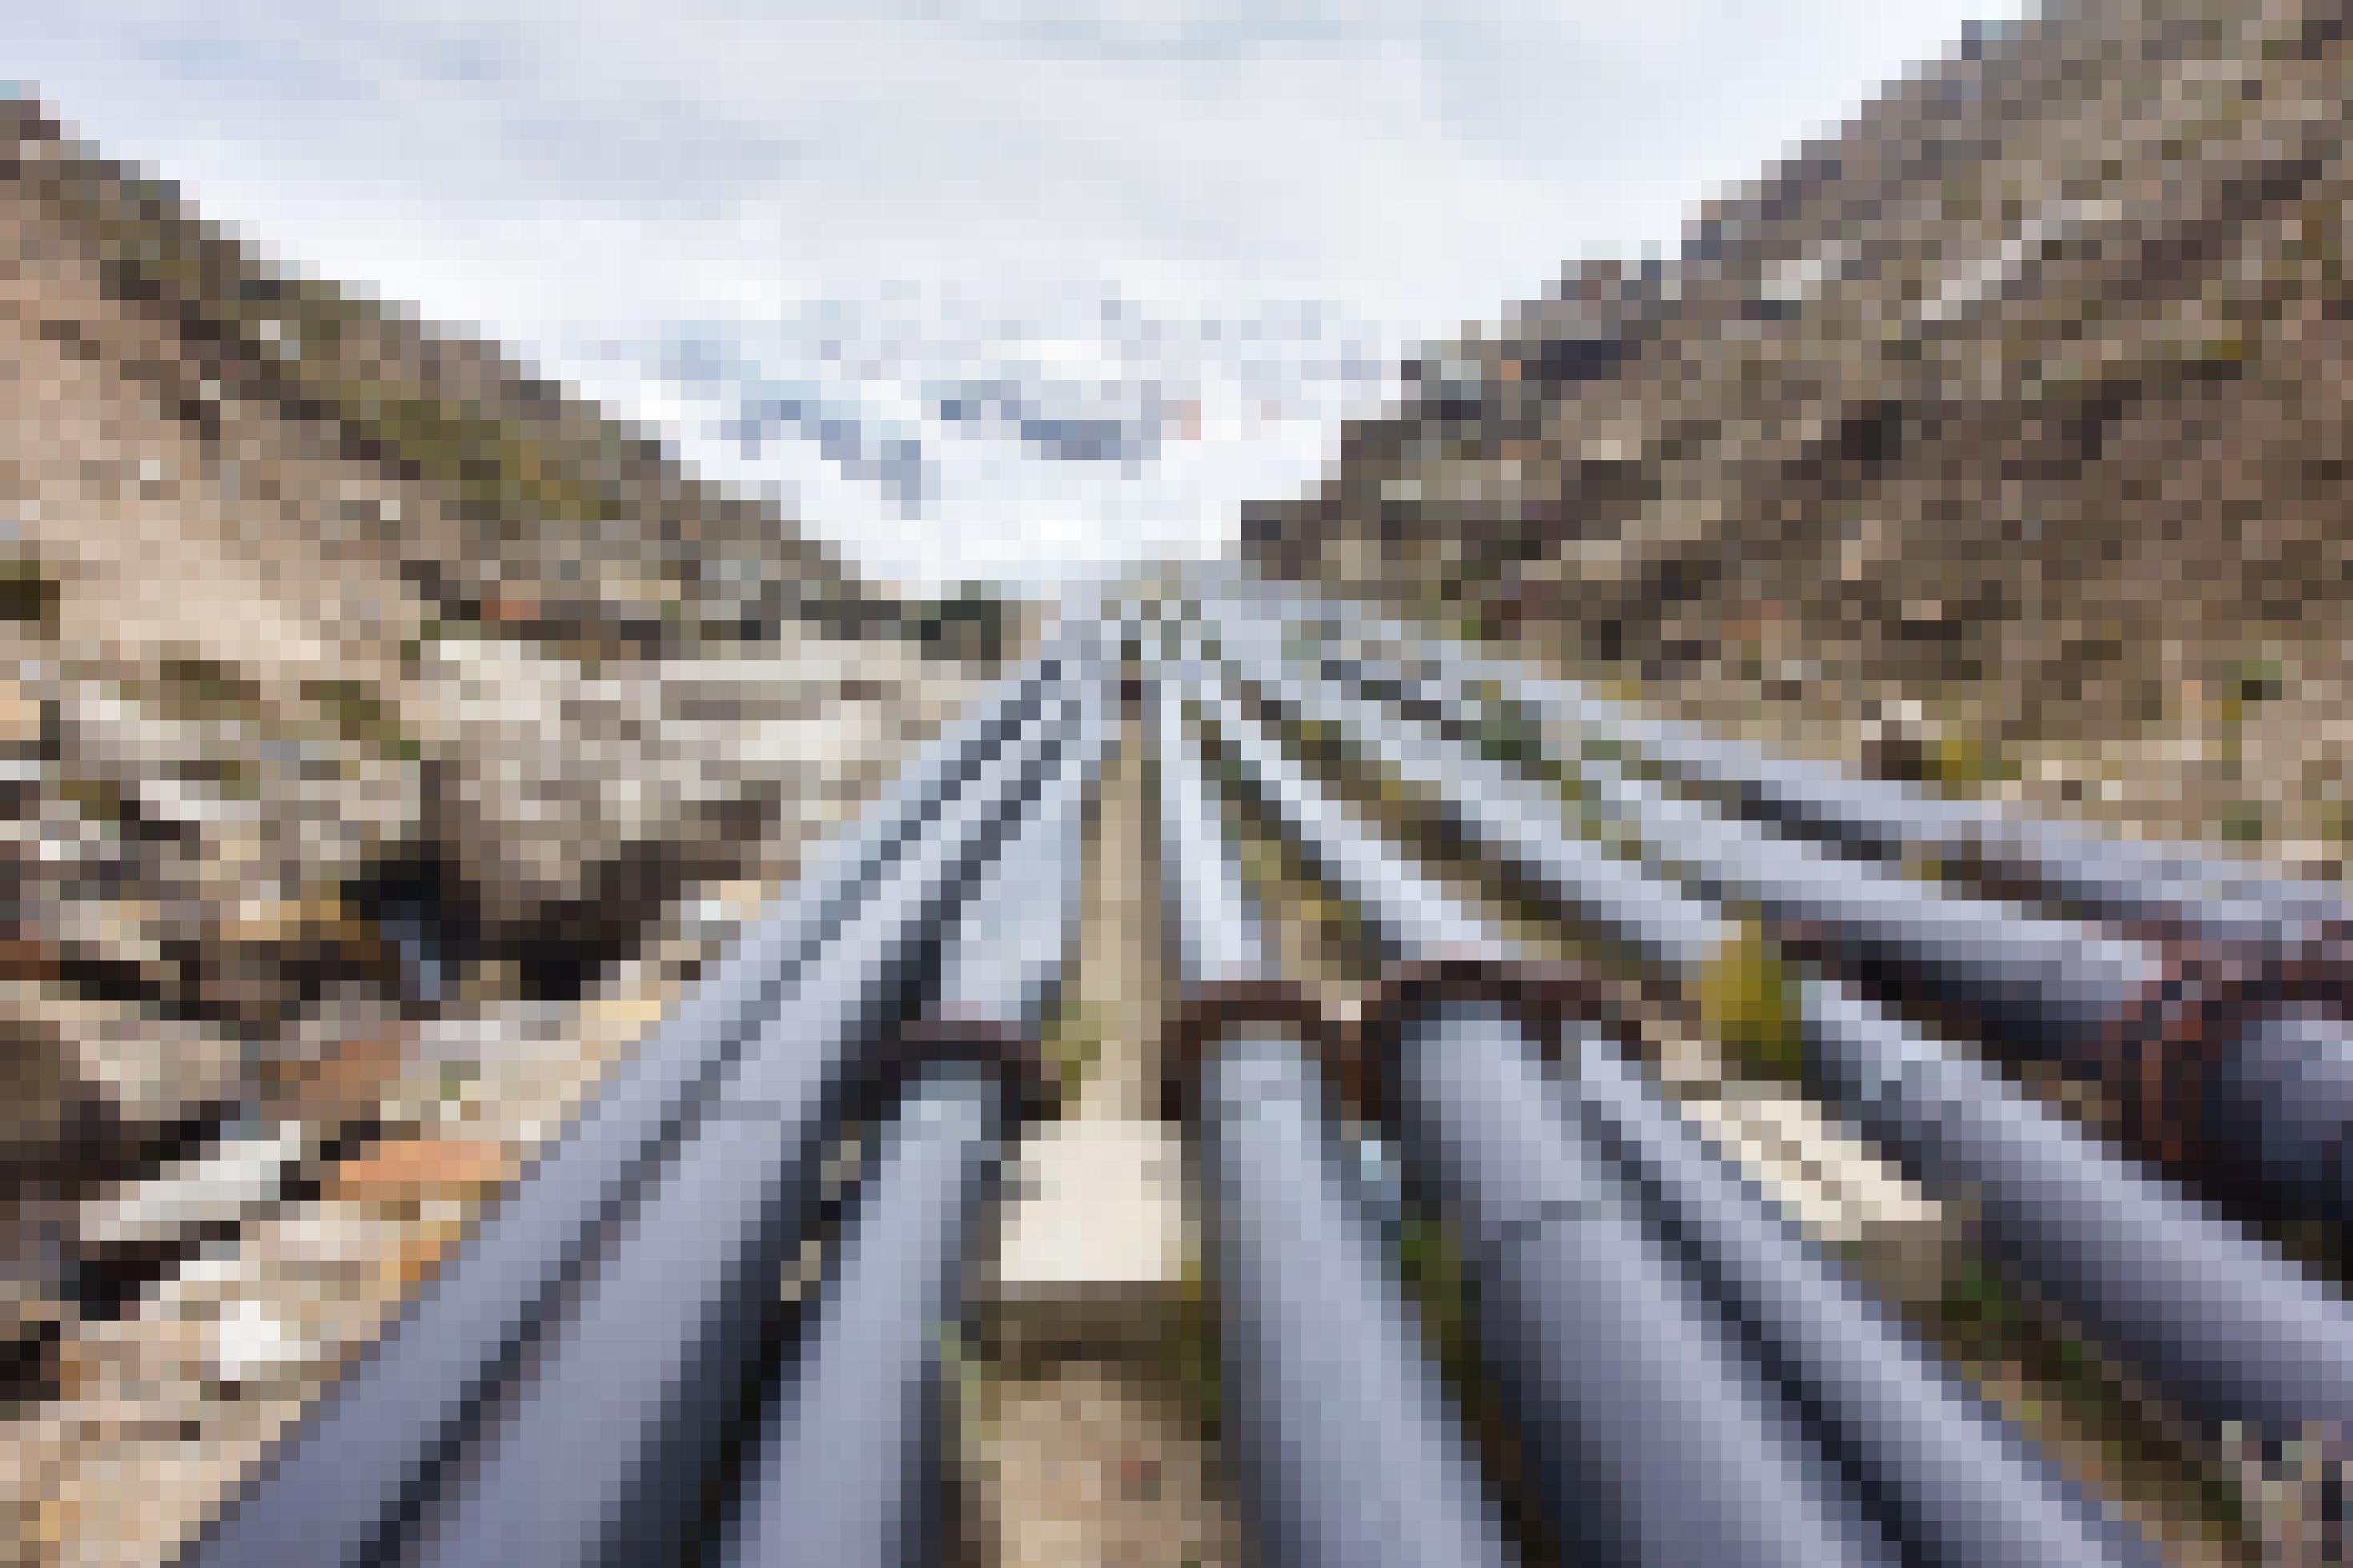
[(937, 437)]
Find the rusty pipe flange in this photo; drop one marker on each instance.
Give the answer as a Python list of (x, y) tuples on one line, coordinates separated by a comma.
[(1031, 1095), (2320, 968), (1220, 1009), (1547, 996), (2161, 1054), (2315, 966)]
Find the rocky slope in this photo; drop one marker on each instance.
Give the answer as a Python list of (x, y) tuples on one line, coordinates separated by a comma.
[(382, 738), (1998, 439)]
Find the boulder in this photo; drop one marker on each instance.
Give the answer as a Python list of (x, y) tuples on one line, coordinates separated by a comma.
[(550, 777)]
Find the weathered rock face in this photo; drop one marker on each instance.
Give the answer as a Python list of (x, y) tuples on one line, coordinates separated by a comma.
[(2025, 391), (556, 786), (240, 819), (90, 1085), (255, 775), (179, 851), (208, 911)]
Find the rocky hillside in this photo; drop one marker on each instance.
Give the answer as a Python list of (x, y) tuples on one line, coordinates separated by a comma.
[(384, 737), (1999, 439)]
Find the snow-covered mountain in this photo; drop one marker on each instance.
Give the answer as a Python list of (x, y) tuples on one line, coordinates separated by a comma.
[(1039, 437)]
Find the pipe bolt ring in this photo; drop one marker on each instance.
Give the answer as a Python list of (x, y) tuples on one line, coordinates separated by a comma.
[(1546, 997)]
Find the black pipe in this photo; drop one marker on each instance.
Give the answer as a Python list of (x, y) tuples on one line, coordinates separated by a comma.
[(2205, 895), (1003, 962), (2219, 1322), (1509, 819), (1213, 923), (1650, 1438), (2201, 894), (339, 1489), (2059, 984), (1347, 1450), (2282, 1103), (848, 1469), (1345, 1444), (1956, 1483)]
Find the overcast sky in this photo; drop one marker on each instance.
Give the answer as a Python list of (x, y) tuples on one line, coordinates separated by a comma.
[(600, 171)]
